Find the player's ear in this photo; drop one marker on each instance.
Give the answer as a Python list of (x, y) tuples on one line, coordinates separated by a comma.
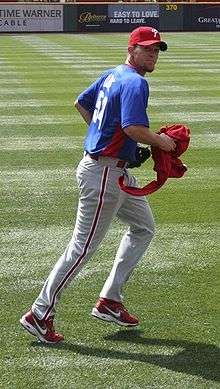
[(131, 49)]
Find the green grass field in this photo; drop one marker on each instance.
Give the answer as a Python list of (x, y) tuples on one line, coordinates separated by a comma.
[(175, 290)]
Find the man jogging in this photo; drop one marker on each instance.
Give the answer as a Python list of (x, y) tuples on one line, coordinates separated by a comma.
[(114, 107)]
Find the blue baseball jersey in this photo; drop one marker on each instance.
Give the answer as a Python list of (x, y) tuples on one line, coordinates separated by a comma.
[(116, 100)]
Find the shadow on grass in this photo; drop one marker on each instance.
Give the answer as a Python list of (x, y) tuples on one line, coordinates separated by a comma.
[(198, 359)]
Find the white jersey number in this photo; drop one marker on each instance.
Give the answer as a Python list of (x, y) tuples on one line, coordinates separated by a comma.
[(100, 108), (102, 101)]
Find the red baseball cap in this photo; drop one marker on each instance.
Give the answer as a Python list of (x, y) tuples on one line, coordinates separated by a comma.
[(146, 36)]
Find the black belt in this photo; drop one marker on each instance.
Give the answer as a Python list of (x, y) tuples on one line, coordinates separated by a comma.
[(120, 163)]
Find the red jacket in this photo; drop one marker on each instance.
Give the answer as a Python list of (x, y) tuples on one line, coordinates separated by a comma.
[(167, 165)]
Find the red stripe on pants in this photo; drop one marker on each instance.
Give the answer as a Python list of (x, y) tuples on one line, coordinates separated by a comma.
[(88, 241)]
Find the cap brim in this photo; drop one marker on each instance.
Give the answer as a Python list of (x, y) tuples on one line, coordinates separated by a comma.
[(163, 45)]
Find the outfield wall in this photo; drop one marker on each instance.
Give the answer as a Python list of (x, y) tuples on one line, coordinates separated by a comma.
[(112, 17)]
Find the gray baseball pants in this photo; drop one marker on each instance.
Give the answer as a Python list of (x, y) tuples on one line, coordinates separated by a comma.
[(100, 200)]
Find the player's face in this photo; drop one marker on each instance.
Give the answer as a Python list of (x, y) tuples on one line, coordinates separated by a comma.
[(144, 58)]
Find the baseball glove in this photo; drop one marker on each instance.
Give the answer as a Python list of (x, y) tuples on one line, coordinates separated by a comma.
[(141, 155)]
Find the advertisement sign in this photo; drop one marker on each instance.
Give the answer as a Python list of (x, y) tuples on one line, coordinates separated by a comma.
[(202, 17), (92, 18), (116, 17), (25, 18), (171, 17), (126, 17)]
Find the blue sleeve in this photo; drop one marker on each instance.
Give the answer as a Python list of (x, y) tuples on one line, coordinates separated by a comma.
[(134, 100), (87, 99)]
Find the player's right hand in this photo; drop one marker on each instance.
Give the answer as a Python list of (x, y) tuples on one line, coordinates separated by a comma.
[(167, 143)]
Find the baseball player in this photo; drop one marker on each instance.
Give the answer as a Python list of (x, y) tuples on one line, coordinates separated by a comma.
[(114, 107)]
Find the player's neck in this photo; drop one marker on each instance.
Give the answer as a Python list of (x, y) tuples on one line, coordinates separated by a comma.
[(130, 63)]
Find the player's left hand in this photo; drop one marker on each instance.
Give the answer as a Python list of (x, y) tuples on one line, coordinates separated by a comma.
[(142, 154)]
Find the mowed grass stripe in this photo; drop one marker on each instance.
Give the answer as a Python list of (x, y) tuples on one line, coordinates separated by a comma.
[(51, 89), (45, 91), (190, 117), (35, 191), (181, 101), (41, 143), (198, 141), (193, 178), (26, 120), (41, 241), (36, 177), (33, 103), (49, 71)]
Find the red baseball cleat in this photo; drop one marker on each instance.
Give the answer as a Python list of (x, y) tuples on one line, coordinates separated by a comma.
[(42, 329), (113, 311)]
